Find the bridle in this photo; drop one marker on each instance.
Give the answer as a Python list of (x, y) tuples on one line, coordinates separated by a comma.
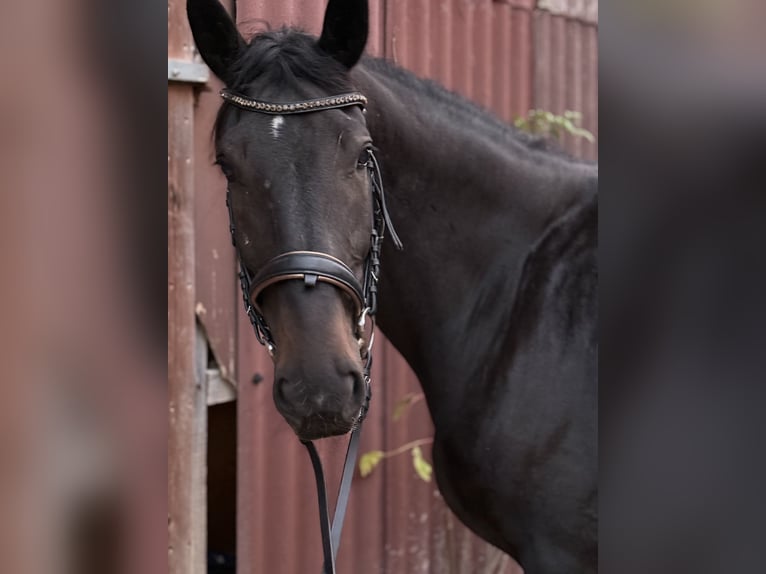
[(312, 267)]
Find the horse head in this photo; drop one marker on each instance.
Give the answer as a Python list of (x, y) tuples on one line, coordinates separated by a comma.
[(300, 187)]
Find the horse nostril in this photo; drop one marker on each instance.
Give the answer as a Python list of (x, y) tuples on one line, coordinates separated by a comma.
[(280, 389), (358, 389)]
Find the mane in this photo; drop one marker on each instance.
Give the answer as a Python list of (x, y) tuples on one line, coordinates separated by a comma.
[(284, 56), (454, 103), (451, 102)]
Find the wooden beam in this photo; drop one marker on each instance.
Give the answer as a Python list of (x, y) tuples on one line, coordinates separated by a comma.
[(219, 389), (187, 448), (189, 72)]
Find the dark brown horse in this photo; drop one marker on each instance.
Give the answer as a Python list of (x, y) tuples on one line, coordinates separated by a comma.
[(492, 302)]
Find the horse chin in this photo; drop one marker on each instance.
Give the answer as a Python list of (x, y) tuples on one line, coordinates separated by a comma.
[(319, 429)]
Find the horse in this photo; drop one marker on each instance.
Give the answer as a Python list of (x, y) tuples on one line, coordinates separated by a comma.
[(492, 302)]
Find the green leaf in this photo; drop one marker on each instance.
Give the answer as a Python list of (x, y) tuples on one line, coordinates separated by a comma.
[(569, 126), (526, 124), (583, 133), (422, 466), (369, 461), (548, 124), (405, 403)]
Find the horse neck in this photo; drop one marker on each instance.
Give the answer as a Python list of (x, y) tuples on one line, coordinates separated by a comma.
[(468, 200)]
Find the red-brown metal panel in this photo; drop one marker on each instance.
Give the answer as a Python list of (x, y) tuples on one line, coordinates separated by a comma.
[(573, 79), (217, 295), (480, 49), (521, 62), (501, 47), (463, 59), (565, 73), (483, 61), (590, 87), (407, 517)]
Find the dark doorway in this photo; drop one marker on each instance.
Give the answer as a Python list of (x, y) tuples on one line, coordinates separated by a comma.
[(222, 488)]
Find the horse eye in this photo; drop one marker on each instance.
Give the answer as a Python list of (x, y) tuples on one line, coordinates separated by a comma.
[(364, 158)]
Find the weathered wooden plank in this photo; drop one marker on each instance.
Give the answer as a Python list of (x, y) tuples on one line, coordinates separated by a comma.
[(219, 389), (186, 550), (187, 400)]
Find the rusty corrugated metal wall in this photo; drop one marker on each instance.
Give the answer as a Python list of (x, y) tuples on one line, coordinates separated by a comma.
[(509, 56), (566, 64)]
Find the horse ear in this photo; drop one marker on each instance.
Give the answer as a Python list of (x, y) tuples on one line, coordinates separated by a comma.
[(216, 36), (345, 29)]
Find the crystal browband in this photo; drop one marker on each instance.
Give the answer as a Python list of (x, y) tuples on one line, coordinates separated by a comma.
[(342, 101)]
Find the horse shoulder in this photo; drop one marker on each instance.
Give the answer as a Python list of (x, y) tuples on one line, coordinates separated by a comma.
[(527, 476)]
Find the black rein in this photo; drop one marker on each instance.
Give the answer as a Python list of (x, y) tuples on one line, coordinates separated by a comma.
[(310, 267)]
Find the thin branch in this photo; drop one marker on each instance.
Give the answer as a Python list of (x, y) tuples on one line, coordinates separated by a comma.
[(408, 446)]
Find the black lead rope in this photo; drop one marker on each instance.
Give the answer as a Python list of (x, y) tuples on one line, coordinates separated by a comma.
[(331, 533), (324, 515), (345, 487), (318, 265)]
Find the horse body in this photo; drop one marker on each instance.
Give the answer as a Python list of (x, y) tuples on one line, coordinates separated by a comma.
[(493, 304)]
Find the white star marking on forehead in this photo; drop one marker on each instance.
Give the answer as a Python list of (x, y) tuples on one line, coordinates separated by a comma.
[(276, 123)]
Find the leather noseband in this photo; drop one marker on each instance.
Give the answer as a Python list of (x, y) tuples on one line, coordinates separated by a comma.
[(310, 266)]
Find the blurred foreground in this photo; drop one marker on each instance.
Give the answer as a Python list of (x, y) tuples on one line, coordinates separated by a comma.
[(83, 416), (683, 278)]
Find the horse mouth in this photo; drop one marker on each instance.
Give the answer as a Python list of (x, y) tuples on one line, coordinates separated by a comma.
[(318, 426), (320, 414)]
